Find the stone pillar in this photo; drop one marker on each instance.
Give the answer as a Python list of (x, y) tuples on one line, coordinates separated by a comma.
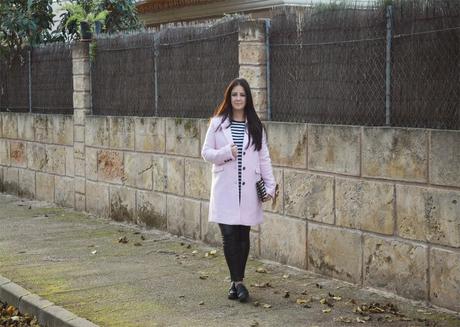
[(252, 57), (82, 107)]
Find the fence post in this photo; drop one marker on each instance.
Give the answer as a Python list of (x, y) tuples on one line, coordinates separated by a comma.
[(29, 57), (156, 52), (82, 107), (252, 58), (389, 17)]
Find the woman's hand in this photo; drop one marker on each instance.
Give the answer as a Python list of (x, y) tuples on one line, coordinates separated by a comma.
[(234, 151)]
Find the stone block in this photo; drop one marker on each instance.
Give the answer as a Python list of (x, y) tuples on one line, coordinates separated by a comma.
[(80, 202), (259, 98), (65, 191), (42, 131), (198, 178), (110, 166), (253, 30), (284, 240), (138, 170), (287, 144), (1, 178), (26, 186), (174, 182), (80, 50), (11, 293), (159, 173), (79, 167), (79, 150), (395, 153), (97, 199), (335, 252), (203, 125), (44, 185), (18, 154), (4, 152), (150, 134), (183, 136), (255, 75), (81, 83), (79, 133), (122, 204), (81, 101), (56, 159), (11, 180), (445, 278), (210, 232), (69, 161), (9, 125), (252, 53), (26, 130), (398, 267), (427, 214), (80, 67), (445, 158), (277, 206), (37, 157), (91, 163), (334, 149), (97, 131), (62, 129), (79, 115), (80, 185), (151, 209), (183, 216), (309, 196), (121, 133), (364, 205), (33, 304)]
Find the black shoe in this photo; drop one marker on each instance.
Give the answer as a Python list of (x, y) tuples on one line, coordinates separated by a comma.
[(242, 292), (232, 292)]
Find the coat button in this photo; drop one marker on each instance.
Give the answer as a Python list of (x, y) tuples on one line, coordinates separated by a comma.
[(244, 153), (244, 168), (244, 183)]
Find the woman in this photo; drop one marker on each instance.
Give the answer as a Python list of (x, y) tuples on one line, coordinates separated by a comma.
[(236, 145)]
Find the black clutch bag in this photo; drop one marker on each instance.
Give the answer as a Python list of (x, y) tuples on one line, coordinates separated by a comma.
[(261, 191)]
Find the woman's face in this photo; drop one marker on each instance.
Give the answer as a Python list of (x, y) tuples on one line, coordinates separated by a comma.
[(238, 98)]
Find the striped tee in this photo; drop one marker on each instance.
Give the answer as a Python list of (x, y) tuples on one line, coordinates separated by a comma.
[(238, 129)]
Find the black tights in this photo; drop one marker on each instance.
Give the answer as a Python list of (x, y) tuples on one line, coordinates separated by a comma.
[(235, 239)]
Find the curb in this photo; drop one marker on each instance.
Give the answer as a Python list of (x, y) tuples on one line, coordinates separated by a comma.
[(48, 314)]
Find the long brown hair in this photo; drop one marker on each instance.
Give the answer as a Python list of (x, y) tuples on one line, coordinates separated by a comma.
[(225, 110)]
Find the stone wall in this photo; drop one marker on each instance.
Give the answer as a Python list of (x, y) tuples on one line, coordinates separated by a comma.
[(378, 207)]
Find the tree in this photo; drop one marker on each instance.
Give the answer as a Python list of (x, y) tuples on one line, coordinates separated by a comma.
[(121, 15), (24, 23)]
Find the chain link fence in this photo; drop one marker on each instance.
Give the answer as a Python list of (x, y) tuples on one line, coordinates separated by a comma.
[(365, 65), (175, 72), (38, 80)]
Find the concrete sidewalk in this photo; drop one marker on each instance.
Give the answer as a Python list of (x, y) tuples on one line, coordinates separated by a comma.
[(156, 279)]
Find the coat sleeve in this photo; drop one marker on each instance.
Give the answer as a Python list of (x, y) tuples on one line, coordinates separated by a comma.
[(209, 151), (266, 169)]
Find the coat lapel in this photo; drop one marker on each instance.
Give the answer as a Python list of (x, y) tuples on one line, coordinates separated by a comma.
[(227, 131)]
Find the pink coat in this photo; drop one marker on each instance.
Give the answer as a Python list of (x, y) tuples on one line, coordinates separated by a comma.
[(224, 206)]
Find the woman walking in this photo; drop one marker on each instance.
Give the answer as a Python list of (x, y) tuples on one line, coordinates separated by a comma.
[(236, 145)]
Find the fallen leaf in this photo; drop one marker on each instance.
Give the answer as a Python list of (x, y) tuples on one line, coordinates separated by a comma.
[(360, 320), (123, 240), (326, 310), (204, 276), (10, 310), (201, 303), (286, 294), (337, 298), (194, 252), (137, 244), (261, 270), (94, 252), (286, 276), (213, 252), (304, 292), (254, 324), (301, 301), (344, 319), (256, 303), (267, 306)]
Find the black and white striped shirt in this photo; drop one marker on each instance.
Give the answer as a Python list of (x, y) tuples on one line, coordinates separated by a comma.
[(238, 129)]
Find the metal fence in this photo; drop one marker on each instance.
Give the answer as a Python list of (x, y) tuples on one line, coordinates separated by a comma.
[(38, 80), (396, 66), (178, 72)]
